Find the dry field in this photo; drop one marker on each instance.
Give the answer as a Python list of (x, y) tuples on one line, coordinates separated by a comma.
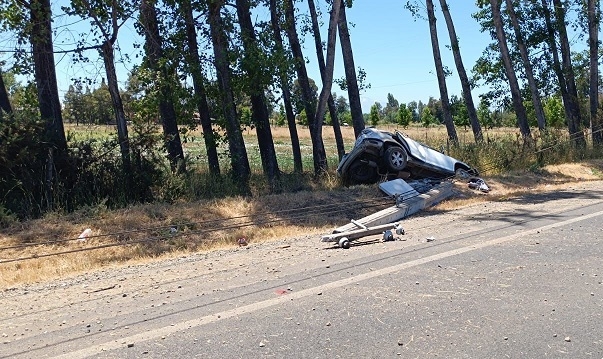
[(28, 251)]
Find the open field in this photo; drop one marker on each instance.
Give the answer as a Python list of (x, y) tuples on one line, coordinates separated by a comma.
[(194, 146)]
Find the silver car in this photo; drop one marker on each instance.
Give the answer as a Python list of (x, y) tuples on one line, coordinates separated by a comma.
[(379, 154)]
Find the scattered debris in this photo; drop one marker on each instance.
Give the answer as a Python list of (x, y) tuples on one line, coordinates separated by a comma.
[(479, 184), (85, 234), (101, 289), (242, 241)]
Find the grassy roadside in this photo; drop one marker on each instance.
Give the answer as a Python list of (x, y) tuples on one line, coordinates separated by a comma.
[(196, 219), (148, 232)]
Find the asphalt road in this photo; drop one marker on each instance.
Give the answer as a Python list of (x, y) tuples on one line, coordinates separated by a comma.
[(514, 279)]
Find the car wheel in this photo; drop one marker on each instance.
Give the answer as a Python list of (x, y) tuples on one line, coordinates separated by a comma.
[(396, 158), (462, 173), (362, 172)]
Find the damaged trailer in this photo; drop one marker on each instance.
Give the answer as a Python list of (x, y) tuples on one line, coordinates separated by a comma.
[(410, 198)]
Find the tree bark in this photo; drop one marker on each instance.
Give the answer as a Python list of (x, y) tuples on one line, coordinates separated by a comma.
[(593, 45), (284, 82), (570, 82), (154, 52), (350, 74), (325, 92), (527, 67), (48, 93), (120, 116), (435, 46), (520, 110), (460, 68), (552, 42), (321, 67), (236, 145), (260, 115), (318, 148), (194, 63)]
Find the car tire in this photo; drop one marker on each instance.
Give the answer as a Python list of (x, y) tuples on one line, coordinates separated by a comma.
[(361, 172), (396, 158)]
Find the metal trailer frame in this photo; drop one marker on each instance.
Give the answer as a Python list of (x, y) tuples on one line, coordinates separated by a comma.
[(386, 220)]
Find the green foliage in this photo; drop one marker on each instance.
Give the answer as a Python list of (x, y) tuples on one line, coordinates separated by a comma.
[(21, 164), (390, 112), (92, 107), (427, 118), (554, 112), (92, 170), (374, 116), (281, 118), (404, 116), (297, 98), (459, 111), (484, 116), (302, 119), (7, 218)]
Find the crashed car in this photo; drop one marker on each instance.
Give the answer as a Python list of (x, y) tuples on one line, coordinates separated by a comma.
[(380, 154)]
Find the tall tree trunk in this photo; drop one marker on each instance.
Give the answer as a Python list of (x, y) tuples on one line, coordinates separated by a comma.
[(48, 93), (593, 44), (284, 82), (154, 51), (435, 47), (118, 107), (321, 67), (260, 115), (520, 110), (318, 148), (236, 145), (460, 68), (350, 73), (325, 92), (4, 100), (527, 67), (552, 42), (194, 65), (570, 82)]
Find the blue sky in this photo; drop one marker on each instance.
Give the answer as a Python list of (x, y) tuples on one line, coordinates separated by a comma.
[(395, 49)]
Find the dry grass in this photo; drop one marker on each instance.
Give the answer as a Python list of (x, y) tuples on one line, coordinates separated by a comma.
[(141, 233)]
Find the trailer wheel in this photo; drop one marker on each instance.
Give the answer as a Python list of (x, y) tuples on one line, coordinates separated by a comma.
[(344, 243), (388, 236)]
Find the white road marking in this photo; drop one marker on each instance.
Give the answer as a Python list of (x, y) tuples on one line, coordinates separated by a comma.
[(246, 309)]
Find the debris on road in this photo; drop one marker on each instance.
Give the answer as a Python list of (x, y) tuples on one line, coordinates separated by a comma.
[(410, 198)]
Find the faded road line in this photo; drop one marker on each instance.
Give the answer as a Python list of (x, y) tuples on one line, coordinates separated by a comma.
[(246, 309)]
